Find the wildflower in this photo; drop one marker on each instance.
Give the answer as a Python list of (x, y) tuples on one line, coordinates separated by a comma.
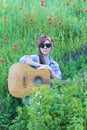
[(49, 19), (31, 20), (59, 23), (43, 4), (54, 18), (84, 1), (1, 60), (67, 4), (42, 1), (58, 17), (15, 45), (26, 22), (85, 10), (5, 19), (49, 22), (5, 38), (21, 7), (55, 25)]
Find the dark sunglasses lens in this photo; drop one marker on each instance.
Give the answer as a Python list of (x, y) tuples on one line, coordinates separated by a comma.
[(42, 45), (47, 45)]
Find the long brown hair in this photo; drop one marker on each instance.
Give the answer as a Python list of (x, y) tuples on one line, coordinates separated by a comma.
[(41, 56)]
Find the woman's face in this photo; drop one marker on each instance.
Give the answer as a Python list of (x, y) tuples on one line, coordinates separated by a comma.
[(45, 47)]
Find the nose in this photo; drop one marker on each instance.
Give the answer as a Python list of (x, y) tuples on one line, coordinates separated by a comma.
[(45, 46)]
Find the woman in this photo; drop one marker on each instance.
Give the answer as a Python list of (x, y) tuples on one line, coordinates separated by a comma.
[(43, 59)]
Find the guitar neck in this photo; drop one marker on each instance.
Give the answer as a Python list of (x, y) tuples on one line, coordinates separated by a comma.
[(58, 82), (46, 81)]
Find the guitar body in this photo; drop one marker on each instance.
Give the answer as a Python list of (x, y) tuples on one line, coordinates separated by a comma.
[(22, 79)]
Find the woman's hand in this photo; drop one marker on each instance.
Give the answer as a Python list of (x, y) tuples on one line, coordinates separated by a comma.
[(52, 74), (45, 67)]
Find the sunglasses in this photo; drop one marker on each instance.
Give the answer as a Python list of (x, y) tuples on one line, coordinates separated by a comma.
[(48, 45)]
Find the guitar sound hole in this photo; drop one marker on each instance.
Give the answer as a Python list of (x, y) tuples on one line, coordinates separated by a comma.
[(38, 81)]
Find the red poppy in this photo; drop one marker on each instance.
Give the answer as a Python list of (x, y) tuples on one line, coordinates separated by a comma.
[(84, 1), (15, 45), (49, 22), (1, 60), (58, 16), (5, 19), (43, 4), (5, 38), (85, 10), (59, 23), (49, 19), (31, 20)]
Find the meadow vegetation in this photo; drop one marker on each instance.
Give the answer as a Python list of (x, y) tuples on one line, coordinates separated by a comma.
[(22, 22)]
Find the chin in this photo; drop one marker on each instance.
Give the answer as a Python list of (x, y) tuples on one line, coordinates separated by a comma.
[(45, 53)]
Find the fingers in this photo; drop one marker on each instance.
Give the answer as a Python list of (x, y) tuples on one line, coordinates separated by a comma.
[(43, 67)]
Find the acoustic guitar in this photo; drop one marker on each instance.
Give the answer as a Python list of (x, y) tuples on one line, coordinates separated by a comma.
[(22, 79)]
